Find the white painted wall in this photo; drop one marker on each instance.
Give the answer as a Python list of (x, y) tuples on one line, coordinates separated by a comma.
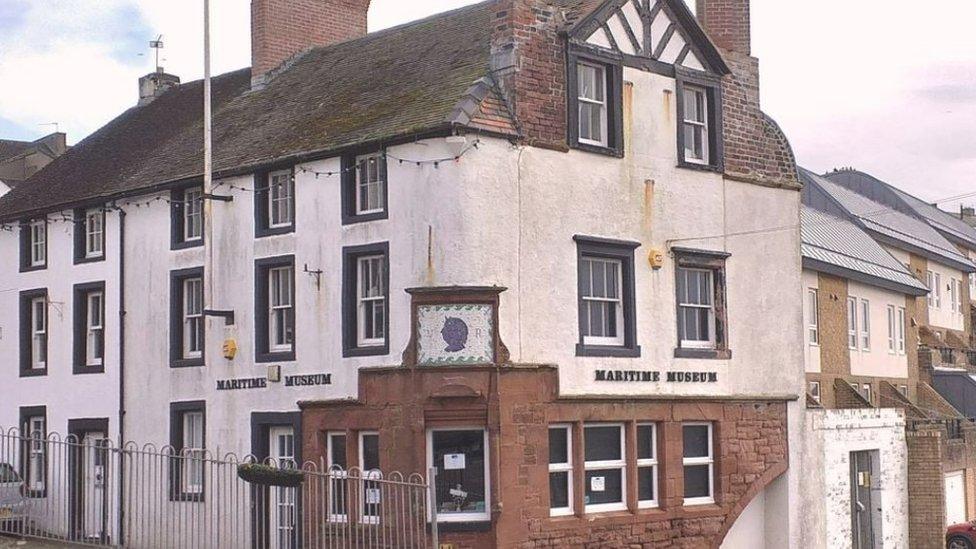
[(877, 360), (811, 351), (4, 188), (831, 436), (749, 530), (943, 316)]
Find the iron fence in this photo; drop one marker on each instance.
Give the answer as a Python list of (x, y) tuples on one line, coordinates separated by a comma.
[(88, 491), (955, 428)]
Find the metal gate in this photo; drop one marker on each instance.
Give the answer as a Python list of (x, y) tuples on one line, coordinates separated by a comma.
[(86, 490)]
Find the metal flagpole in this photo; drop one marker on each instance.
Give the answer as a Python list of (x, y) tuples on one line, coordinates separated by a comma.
[(207, 164)]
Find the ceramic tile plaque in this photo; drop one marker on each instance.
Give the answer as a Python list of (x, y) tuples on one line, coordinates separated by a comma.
[(455, 334)]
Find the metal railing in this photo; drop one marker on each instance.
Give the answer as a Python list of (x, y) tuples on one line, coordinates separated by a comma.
[(954, 427), (947, 355), (90, 492), (971, 358)]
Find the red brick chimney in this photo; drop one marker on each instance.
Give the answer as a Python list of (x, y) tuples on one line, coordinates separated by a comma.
[(282, 28), (727, 23)]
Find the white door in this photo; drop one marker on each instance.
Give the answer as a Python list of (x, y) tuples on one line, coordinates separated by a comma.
[(282, 520), (93, 483), (955, 497)]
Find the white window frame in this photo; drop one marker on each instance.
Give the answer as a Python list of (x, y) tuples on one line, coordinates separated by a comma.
[(707, 460), (192, 455), (192, 215), (37, 436), (903, 389), (619, 339), (646, 463), (601, 77), (94, 328), (463, 517), (281, 308), (852, 333), (956, 294), (900, 341), (565, 467), (930, 282), (938, 290), (281, 194), (972, 286), (710, 308), (379, 183), (366, 477), (892, 329), (813, 388), (192, 317), (865, 327), (338, 476), (38, 332), (38, 242), (362, 300), (94, 233), (813, 319), (607, 465), (696, 125), (866, 392)]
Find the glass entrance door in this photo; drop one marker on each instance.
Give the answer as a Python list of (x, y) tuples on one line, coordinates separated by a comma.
[(281, 446)]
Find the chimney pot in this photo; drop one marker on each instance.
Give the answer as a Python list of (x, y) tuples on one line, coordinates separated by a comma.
[(155, 84)]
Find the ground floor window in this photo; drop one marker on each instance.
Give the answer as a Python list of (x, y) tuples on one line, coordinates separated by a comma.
[(699, 463), (460, 457), (605, 466), (560, 470), (338, 485), (371, 491), (646, 465)]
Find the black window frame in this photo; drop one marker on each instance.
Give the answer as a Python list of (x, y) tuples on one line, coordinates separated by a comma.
[(26, 245), (350, 299), (262, 344), (622, 251), (80, 223), (262, 214), (26, 413), (715, 262), (26, 331), (80, 313), (177, 304), (349, 188), (177, 219), (615, 104), (713, 91), (176, 412)]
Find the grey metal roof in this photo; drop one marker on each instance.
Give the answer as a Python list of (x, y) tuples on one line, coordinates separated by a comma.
[(835, 245), (884, 222), (951, 227)]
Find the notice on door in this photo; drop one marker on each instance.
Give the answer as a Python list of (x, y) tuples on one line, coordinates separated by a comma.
[(598, 484), (453, 462)]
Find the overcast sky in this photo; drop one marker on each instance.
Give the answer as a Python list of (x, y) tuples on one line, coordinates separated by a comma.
[(888, 86)]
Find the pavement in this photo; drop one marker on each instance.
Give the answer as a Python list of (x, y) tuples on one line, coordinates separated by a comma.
[(18, 543)]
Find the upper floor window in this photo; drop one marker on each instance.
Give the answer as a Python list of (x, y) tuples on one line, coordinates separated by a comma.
[(699, 463), (900, 335), (596, 106), (938, 290), (699, 121), (852, 323), (187, 319), (89, 235), (275, 309), (186, 217), (89, 337), (33, 332), (930, 282), (892, 329), (955, 295), (813, 317), (33, 249), (365, 188), (607, 308), (274, 203), (865, 325), (700, 304), (366, 294)]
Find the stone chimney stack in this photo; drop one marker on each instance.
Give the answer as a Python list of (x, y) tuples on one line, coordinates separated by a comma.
[(282, 28), (155, 84)]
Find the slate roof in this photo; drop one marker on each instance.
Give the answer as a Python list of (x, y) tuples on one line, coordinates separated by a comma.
[(10, 148), (399, 82), (835, 245), (951, 227), (881, 220)]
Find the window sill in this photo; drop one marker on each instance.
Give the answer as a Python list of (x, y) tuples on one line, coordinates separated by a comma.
[(190, 498), (261, 232), (33, 372), (86, 370), (81, 260), (468, 526), (607, 351), (353, 219), (186, 245), (598, 149), (377, 350), (32, 268), (275, 356), (699, 167), (703, 354), (187, 363)]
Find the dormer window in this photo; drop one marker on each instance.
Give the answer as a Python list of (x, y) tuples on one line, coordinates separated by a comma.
[(595, 110), (699, 120)]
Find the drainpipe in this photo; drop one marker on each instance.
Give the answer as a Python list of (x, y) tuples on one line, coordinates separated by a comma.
[(122, 314)]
